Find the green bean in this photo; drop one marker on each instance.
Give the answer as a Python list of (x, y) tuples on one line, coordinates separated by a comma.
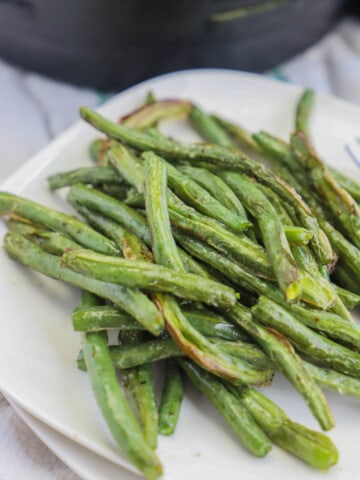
[(348, 184), (188, 190), (237, 417), (216, 187), (135, 199), (327, 322), (144, 275), (163, 244), (306, 261), (297, 235), (248, 352), (350, 299), (13, 205), (127, 165), (281, 352), (249, 356), (243, 249), (238, 133), (131, 301), (26, 228), (280, 155), (139, 382), (341, 204), (151, 113), (214, 325), (95, 319), (312, 447), (126, 241), (115, 409), (92, 175), (348, 253), (246, 248), (126, 356), (332, 380), (117, 210), (172, 396), (303, 111), (277, 205), (150, 98), (344, 276), (220, 156), (126, 216), (119, 192), (52, 242), (195, 345), (197, 197), (209, 128), (102, 318), (277, 247), (307, 341)]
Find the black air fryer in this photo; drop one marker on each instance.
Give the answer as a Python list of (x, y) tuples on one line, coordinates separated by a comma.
[(111, 44)]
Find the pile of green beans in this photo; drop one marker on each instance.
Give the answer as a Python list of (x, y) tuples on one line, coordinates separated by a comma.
[(205, 260)]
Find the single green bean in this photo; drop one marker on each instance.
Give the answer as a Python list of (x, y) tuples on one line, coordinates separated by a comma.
[(239, 134), (209, 128), (163, 244), (344, 276), (172, 396), (144, 275), (119, 192), (297, 235), (214, 325), (348, 184), (139, 382), (95, 319), (151, 113), (92, 176), (115, 409), (303, 111), (81, 232), (125, 161), (332, 380), (347, 252)]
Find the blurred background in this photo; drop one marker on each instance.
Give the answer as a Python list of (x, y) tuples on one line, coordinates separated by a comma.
[(56, 55), (110, 44)]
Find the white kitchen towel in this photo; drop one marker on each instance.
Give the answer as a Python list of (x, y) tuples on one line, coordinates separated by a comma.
[(35, 109)]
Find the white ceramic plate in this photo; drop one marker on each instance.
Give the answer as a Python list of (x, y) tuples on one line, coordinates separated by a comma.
[(39, 348), (82, 461)]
